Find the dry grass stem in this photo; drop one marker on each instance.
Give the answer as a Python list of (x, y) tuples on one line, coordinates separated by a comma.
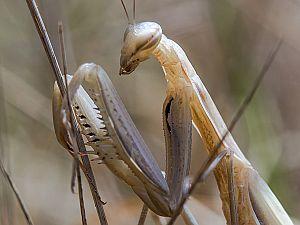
[(16, 193), (58, 75)]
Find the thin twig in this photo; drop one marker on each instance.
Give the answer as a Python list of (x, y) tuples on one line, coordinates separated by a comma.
[(75, 168), (6, 206), (143, 215), (68, 108), (62, 48), (81, 200), (254, 88), (20, 201), (73, 176), (236, 117), (188, 217), (57, 72), (134, 9)]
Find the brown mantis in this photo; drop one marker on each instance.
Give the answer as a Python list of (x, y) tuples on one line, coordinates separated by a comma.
[(109, 130)]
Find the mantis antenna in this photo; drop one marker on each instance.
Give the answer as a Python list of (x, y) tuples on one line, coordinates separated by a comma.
[(124, 7), (133, 11)]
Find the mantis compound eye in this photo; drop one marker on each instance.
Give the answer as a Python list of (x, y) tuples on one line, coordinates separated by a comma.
[(138, 44)]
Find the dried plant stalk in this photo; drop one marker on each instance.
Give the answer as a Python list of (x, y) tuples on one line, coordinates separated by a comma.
[(58, 75)]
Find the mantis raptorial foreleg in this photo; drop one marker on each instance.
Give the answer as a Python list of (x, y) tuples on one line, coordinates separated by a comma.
[(178, 136), (111, 133)]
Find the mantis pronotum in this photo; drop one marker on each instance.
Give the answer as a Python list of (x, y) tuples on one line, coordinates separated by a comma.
[(118, 144)]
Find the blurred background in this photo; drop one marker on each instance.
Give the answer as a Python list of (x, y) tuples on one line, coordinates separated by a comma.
[(227, 41)]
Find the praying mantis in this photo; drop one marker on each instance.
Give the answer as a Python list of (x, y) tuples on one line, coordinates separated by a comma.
[(109, 130), (142, 40)]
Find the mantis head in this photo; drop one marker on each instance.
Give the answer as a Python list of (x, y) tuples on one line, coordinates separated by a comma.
[(138, 44)]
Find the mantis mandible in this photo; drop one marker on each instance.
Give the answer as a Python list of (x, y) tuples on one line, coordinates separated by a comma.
[(109, 130)]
